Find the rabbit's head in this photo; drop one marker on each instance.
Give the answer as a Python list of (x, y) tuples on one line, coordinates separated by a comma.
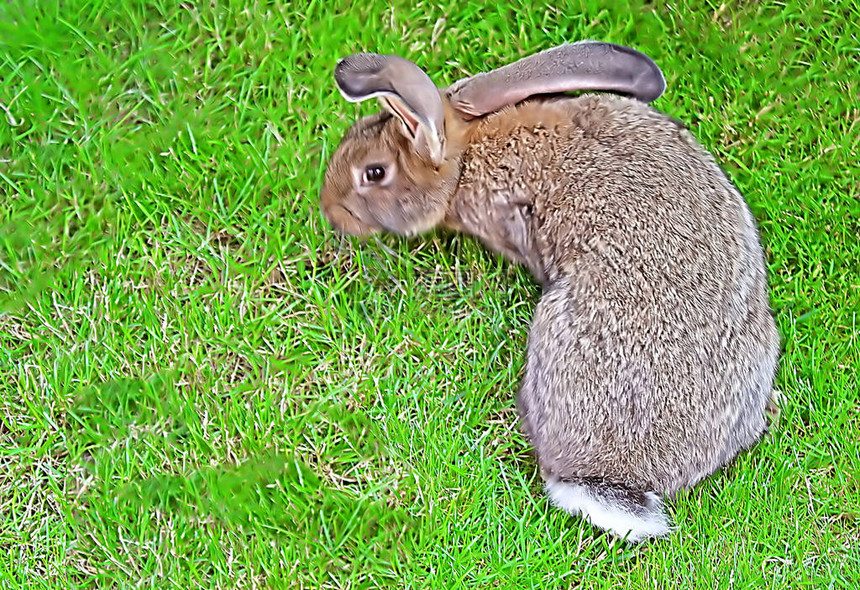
[(397, 170)]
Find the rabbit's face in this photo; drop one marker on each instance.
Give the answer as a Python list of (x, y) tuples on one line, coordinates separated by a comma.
[(376, 181)]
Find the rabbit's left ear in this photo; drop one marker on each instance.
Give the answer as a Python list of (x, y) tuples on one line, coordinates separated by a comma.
[(403, 89), (586, 65)]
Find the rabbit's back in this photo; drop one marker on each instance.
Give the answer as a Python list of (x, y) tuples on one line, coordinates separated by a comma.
[(653, 350)]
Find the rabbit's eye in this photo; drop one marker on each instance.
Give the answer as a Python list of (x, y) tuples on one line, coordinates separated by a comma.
[(373, 174)]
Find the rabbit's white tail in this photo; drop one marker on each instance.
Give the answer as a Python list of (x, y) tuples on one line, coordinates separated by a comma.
[(622, 511)]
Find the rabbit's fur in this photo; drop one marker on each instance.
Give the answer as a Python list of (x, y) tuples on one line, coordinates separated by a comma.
[(652, 351), (654, 333)]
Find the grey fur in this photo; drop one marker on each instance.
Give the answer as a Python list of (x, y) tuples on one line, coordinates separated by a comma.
[(652, 351), (402, 88), (585, 65)]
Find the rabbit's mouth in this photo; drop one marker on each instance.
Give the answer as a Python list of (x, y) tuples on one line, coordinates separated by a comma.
[(345, 220), (341, 216)]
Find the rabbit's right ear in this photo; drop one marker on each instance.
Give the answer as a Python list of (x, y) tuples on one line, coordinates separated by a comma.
[(403, 89), (586, 65)]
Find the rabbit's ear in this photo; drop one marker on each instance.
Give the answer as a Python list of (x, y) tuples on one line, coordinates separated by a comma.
[(586, 65), (402, 88)]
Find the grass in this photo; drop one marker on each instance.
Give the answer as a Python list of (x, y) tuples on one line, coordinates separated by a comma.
[(202, 386)]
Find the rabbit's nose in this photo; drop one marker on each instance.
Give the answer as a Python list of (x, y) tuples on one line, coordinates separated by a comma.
[(340, 216)]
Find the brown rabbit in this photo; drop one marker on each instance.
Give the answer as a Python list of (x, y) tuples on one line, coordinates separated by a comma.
[(652, 352)]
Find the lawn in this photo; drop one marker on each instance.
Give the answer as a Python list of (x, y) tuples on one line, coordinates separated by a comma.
[(203, 386)]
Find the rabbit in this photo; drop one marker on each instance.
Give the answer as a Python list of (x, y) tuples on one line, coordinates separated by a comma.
[(652, 353)]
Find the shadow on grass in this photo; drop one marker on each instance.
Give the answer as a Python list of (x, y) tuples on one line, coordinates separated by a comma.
[(270, 499)]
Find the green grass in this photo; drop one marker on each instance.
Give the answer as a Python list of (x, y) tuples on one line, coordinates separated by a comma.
[(202, 386)]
